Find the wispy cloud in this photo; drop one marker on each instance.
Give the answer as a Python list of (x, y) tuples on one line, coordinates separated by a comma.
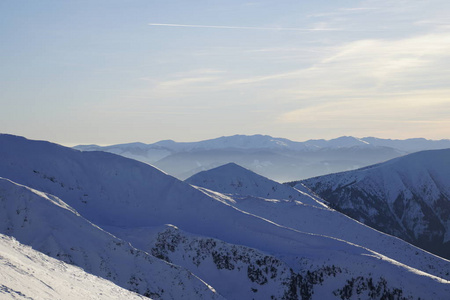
[(392, 115), (372, 62), (245, 27)]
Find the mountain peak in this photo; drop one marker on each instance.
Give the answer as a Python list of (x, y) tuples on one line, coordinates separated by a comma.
[(231, 178), (231, 166)]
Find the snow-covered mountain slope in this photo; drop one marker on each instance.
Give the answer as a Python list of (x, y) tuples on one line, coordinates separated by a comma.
[(110, 190), (51, 226), (408, 197), (239, 272), (28, 274), (129, 197), (283, 205), (234, 179)]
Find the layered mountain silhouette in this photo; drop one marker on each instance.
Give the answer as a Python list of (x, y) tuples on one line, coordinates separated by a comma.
[(148, 232), (276, 158)]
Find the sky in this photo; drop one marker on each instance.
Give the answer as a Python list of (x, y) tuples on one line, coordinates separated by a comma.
[(107, 71)]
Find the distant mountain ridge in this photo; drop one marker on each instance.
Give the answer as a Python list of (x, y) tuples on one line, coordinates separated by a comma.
[(268, 142), (408, 197), (207, 235), (276, 158)]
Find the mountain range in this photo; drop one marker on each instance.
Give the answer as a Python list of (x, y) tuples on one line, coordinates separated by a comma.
[(276, 158), (151, 233)]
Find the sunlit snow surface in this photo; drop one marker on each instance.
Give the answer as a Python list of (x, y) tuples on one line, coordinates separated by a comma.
[(28, 274), (284, 205), (134, 201), (408, 197)]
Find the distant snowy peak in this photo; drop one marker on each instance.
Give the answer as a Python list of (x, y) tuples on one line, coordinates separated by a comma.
[(341, 142), (258, 141), (236, 142), (234, 179)]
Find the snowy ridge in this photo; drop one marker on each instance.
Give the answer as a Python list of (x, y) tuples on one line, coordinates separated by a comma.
[(131, 199), (259, 141), (289, 212), (56, 230), (236, 141), (408, 197), (340, 142), (29, 274)]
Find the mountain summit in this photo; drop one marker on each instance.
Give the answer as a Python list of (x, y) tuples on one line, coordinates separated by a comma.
[(234, 179)]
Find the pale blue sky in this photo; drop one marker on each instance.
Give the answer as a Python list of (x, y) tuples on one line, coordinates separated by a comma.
[(105, 72)]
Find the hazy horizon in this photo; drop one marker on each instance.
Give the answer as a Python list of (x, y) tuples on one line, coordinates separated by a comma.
[(194, 141), (110, 72)]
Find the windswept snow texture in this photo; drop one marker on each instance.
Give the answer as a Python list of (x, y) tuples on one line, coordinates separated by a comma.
[(51, 226), (28, 274), (408, 197), (130, 199), (284, 205)]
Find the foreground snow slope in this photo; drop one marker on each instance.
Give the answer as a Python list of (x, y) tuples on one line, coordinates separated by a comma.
[(129, 197), (51, 226), (408, 197), (287, 206), (28, 274)]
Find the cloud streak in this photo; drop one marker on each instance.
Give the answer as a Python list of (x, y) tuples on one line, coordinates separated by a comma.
[(244, 27)]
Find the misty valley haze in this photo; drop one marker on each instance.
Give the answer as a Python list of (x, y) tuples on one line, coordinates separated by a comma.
[(277, 158), (224, 233)]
